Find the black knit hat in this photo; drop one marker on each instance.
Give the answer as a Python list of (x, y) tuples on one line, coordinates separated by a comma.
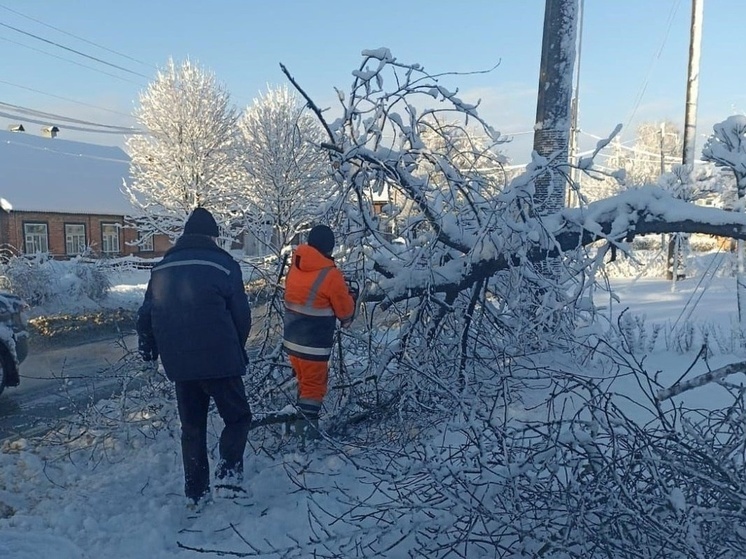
[(322, 239), (201, 222)]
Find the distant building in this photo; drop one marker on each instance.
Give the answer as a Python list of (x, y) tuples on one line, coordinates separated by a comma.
[(65, 199)]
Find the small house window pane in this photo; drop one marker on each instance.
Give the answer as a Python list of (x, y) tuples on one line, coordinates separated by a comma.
[(36, 237), (110, 238), (75, 242), (146, 243)]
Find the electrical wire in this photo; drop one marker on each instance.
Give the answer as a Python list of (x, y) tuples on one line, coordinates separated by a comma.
[(99, 128), (56, 117), (70, 61), (123, 131), (79, 53), (78, 155), (65, 98), (653, 62), (79, 38), (691, 300)]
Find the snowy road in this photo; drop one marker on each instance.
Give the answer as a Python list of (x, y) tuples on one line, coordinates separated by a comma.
[(54, 382)]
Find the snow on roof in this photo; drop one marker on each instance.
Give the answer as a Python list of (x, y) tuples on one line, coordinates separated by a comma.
[(57, 175)]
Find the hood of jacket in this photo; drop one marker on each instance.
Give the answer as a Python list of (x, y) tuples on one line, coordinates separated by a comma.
[(308, 259)]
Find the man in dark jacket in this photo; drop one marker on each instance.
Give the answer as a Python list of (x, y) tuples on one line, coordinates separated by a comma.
[(196, 317)]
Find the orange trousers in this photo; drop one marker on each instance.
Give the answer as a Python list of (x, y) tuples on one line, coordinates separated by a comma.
[(312, 376)]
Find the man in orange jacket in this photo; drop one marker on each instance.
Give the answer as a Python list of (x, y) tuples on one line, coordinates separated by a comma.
[(316, 295)]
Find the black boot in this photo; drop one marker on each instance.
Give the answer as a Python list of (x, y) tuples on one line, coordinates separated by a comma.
[(306, 427)]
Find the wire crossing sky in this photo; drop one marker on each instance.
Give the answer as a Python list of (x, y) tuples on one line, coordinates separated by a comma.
[(90, 61)]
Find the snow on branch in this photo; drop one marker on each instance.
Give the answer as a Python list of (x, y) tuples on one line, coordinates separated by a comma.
[(706, 378), (431, 208)]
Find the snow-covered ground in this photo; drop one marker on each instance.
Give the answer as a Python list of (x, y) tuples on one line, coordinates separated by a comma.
[(128, 502)]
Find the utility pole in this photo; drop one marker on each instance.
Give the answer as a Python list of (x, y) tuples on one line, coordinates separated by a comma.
[(663, 147), (553, 118), (690, 128), (575, 174), (692, 83)]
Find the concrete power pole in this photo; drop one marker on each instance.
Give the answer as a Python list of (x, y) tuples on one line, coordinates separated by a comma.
[(692, 83), (553, 107), (675, 268)]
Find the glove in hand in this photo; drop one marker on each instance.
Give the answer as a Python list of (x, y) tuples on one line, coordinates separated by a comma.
[(146, 348)]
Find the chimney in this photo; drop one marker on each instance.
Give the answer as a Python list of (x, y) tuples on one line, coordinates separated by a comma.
[(49, 131), (16, 128)]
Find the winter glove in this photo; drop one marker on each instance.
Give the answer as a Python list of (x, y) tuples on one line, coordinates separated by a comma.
[(147, 349)]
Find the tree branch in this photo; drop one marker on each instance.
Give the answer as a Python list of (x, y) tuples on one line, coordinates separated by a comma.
[(309, 102), (701, 380)]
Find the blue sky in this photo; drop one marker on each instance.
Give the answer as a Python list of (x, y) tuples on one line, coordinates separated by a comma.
[(633, 63)]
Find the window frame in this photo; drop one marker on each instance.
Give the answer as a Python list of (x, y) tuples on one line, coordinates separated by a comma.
[(104, 244), (26, 235), (145, 243), (81, 247)]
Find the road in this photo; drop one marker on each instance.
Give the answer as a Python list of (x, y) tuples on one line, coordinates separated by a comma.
[(55, 381)]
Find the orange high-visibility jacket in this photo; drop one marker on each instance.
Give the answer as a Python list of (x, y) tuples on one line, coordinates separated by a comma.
[(316, 294)]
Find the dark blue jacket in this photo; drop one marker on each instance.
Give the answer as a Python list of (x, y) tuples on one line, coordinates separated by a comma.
[(196, 313)]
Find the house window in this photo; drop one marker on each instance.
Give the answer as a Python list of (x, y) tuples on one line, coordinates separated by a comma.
[(74, 238), (145, 243), (110, 238), (37, 238)]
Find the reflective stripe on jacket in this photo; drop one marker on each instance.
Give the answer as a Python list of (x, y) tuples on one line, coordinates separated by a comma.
[(316, 295)]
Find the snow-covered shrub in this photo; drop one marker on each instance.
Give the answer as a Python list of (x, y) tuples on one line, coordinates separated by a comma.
[(646, 242), (41, 281), (87, 278), (33, 278), (634, 334), (708, 243)]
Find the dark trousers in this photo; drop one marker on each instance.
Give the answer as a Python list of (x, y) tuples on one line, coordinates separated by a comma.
[(193, 401)]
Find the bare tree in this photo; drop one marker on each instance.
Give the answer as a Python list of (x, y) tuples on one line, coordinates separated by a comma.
[(189, 157)]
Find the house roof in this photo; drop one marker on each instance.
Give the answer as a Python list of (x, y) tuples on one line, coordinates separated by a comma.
[(57, 175)]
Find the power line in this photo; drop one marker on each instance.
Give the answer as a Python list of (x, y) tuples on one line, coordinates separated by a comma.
[(56, 117), (79, 53), (79, 38), (656, 57), (78, 155), (65, 98), (70, 61), (123, 131)]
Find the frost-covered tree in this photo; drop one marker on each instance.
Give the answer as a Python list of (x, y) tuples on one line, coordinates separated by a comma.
[(657, 150), (726, 148), (455, 323), (188, 156), (658, 147), (288, 174), (474, 157), (469, 240)]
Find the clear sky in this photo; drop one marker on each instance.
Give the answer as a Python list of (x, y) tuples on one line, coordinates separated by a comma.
[(633, 62)]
